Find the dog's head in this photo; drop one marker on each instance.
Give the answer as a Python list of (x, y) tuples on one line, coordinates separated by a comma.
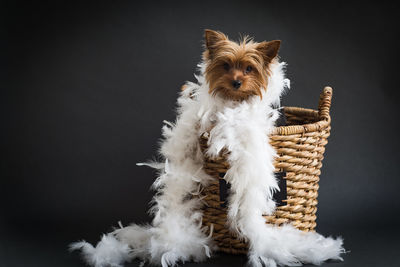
[(237, 71)]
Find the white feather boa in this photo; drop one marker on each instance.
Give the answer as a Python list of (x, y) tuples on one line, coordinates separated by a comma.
[(176, 233)]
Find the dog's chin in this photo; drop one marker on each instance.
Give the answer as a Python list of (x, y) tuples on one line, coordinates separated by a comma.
[(233, 95)]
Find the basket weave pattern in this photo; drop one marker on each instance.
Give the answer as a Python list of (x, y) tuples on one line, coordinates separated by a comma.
[(300, 147)]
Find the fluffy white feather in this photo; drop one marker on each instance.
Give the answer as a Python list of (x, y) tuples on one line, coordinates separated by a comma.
[(108, 252), (176, 233)]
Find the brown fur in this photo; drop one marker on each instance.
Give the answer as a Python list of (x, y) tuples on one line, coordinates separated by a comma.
[(227, 61)]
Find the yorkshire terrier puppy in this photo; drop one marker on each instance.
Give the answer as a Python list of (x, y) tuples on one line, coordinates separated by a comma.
[(237, 71), (234, 99)]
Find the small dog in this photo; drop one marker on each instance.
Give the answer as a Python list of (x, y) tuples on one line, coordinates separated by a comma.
[(237, 71), (233, 100)]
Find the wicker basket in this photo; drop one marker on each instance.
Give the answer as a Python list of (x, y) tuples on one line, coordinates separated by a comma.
[(300, 147)]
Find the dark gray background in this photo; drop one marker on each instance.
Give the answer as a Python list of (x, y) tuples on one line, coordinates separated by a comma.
[(85, 87)]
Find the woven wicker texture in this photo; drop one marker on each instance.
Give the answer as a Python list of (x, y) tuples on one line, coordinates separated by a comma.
[(300, 147)]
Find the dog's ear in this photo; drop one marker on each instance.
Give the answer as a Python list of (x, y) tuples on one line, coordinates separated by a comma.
[(212, 38), (269, 50)]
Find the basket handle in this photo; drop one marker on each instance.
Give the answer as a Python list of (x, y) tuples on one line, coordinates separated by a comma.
[(324, 104)]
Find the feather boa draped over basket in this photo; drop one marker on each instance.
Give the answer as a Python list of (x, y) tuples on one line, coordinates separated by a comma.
[(176, 232)]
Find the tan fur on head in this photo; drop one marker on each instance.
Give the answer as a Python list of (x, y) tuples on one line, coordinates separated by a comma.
[(237, 70)]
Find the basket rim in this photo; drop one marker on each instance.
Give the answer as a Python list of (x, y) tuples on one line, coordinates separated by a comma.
[(303, 128), (324, 118)]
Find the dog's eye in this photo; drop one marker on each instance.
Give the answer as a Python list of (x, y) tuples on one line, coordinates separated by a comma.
[(249, 69), (226, 66)]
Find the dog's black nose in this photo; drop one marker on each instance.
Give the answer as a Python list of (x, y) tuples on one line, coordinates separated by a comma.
[(236, 84)]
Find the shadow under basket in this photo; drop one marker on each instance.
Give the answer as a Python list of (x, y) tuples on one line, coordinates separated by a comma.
[(300, 146)]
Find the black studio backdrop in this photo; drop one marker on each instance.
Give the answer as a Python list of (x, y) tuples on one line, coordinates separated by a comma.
[(85, 87)]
